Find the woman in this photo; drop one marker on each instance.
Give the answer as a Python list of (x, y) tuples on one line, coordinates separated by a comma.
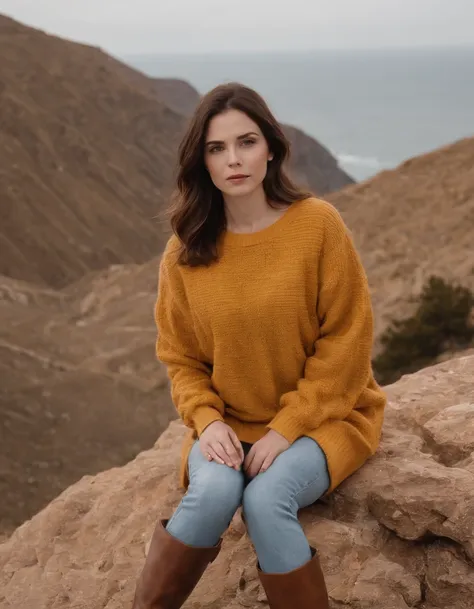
[(265, 325)]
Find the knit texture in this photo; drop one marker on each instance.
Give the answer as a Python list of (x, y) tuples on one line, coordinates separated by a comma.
[(277, 334)]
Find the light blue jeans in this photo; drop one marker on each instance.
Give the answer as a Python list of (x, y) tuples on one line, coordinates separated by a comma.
[(298, 477)]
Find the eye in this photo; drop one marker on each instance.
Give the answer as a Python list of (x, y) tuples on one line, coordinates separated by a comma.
[(248, 142), (214, 149)]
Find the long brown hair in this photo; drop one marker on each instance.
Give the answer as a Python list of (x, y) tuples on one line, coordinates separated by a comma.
[(197, 213)]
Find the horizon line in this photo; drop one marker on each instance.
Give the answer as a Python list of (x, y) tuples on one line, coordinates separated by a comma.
[(240, 52)]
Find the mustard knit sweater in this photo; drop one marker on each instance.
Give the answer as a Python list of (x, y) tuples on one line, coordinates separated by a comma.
[(275, 335)]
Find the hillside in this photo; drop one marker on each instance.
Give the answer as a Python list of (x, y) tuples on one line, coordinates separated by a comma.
[(177, 94), (81, 389), (88, 153), (412, 222)]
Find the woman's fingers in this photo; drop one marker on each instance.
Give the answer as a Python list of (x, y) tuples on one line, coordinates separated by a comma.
[(226, 447), (229, 451), (206, 449), (222, 456), (212, 455), (232, 451), (255, 463), (238, 445), (255, 466), (267, 462), (249, 458)]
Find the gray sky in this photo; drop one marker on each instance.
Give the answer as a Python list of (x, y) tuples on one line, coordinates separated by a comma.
[(144, 26)]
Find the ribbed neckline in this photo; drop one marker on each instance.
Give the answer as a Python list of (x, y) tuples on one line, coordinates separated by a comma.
[(244, 239)]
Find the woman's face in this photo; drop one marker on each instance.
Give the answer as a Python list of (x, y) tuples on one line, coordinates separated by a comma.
[(235, 146)]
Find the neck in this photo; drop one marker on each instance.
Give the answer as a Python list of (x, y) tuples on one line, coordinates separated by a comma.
[(248, 213)]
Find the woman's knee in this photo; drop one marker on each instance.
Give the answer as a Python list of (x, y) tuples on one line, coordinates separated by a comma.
[(217, 488), (262, 501), (297, 478)]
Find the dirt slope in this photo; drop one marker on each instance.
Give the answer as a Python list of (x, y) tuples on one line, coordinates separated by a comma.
[(412, 222), (81, 389)]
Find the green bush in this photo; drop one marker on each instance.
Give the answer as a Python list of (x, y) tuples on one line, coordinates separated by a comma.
[(441, 323)]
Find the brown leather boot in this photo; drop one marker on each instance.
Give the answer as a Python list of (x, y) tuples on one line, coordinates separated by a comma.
[(303, 588), (171, 572)]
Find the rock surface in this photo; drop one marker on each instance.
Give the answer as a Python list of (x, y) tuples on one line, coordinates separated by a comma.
[(398, 534)]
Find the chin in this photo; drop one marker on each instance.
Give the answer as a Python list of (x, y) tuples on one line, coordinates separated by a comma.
[(239, 191)]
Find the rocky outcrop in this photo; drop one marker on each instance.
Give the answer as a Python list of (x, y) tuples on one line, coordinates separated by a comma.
[(398, 534)]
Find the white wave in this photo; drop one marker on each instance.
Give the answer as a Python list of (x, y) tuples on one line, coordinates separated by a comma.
[(361, 161)]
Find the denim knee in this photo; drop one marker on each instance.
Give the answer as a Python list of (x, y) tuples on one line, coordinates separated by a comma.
[(217, 490), (260, 504)]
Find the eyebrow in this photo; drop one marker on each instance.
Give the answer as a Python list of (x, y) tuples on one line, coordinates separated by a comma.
[(241, 137)]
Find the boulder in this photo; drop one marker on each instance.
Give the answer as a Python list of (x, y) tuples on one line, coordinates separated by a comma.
[(397, 534)]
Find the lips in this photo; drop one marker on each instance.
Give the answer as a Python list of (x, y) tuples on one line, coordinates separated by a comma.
[(238, 176)]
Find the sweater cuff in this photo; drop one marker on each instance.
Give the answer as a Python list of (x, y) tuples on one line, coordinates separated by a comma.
[(287, 425), (204, 416)]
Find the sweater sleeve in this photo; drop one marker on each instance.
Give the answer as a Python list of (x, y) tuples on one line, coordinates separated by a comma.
[(193, 395), (339, 370)]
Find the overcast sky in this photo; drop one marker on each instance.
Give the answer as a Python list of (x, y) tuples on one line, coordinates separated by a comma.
[(146, 26)]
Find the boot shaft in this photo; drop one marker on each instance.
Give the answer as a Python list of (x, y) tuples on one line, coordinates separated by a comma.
[(171, 572)]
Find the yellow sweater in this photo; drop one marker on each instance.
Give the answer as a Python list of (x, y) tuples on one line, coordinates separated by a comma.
[(276, 335)]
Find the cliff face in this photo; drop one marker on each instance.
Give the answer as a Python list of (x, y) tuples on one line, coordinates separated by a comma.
[(397, 534), (88, 154)]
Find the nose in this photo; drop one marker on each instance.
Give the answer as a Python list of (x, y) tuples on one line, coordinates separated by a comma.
[(233, 158)]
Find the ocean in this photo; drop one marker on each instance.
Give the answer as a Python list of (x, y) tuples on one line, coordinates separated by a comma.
[(371, 109)]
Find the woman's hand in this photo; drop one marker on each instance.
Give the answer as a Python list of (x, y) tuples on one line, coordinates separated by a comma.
[(220, 443), (264, 452)]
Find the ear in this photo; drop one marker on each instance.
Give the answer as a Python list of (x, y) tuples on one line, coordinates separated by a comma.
[(270, 157)]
